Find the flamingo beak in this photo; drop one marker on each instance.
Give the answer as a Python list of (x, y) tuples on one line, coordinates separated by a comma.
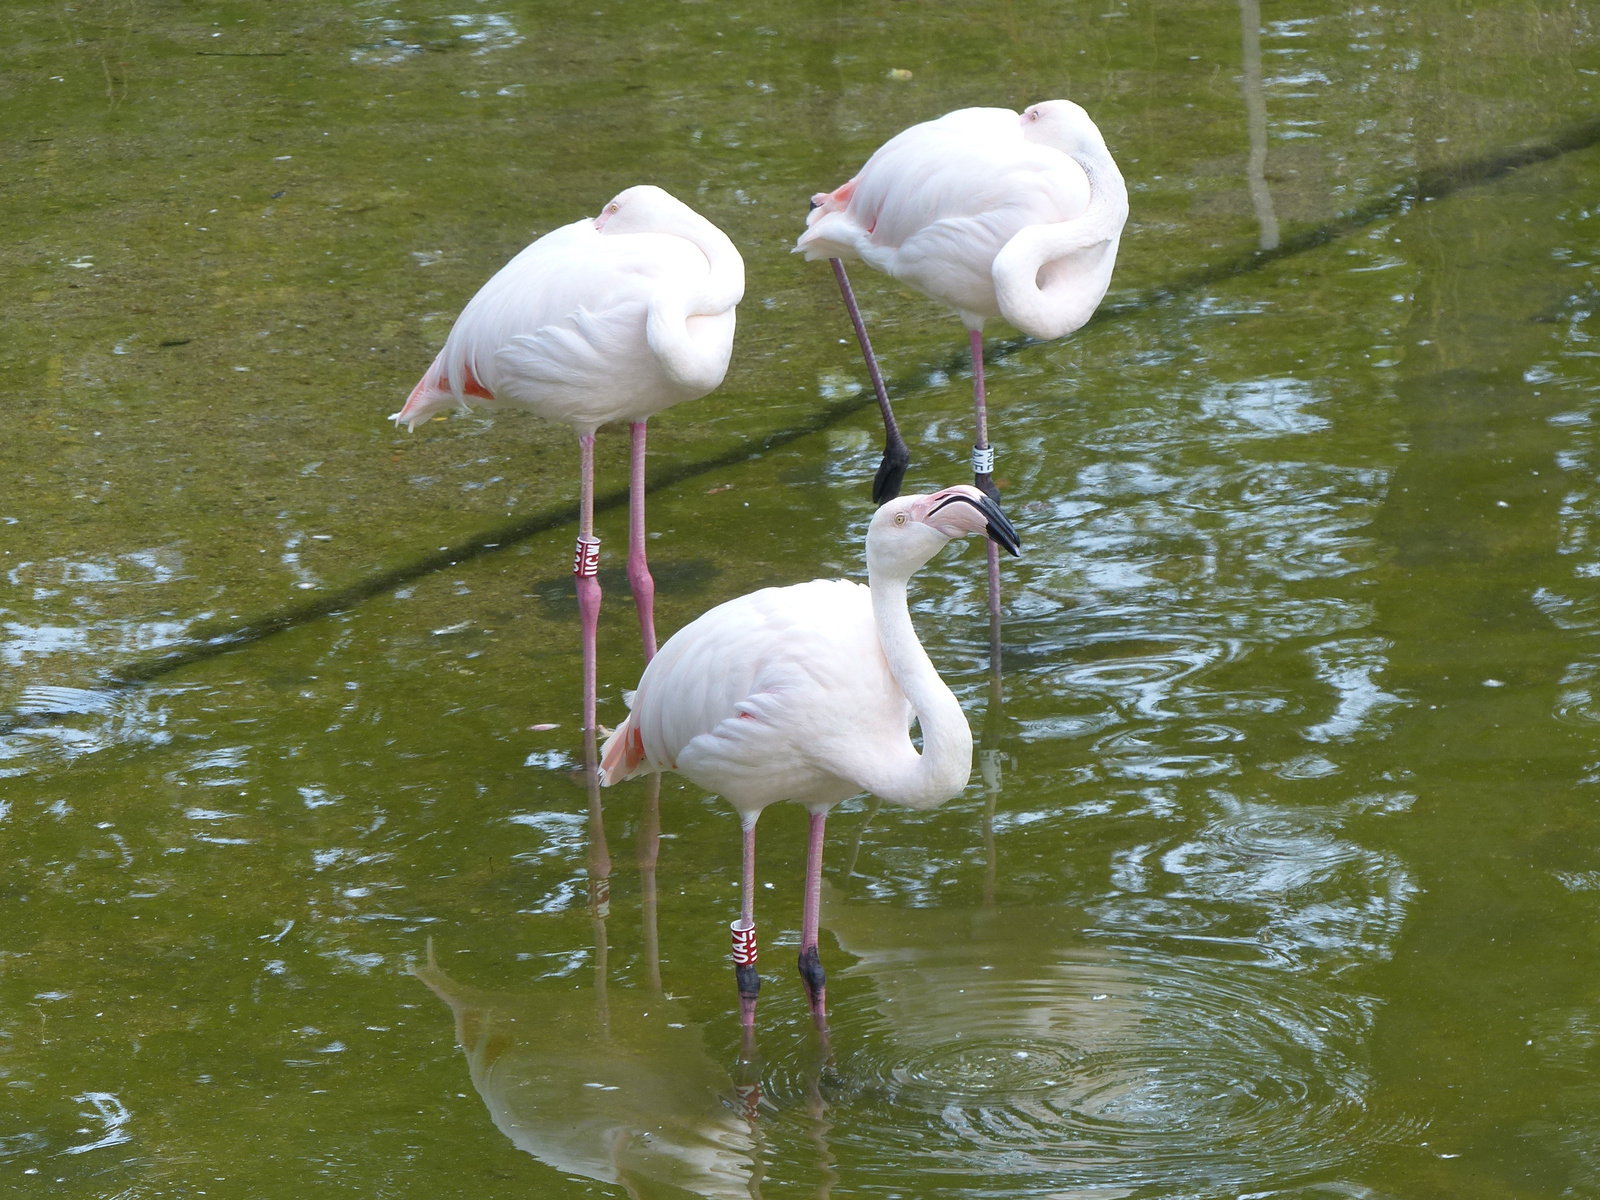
[(996, 527)]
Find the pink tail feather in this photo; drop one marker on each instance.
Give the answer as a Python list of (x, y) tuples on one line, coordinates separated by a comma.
[(433, 394), (622, 754)]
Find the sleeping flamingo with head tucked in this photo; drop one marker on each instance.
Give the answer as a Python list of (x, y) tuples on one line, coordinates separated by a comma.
[(807, 693), (603, 320), (994, 214)]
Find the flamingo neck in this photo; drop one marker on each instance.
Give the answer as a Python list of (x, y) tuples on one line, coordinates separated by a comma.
[(1050, 278), (945, 764), (683, 327)]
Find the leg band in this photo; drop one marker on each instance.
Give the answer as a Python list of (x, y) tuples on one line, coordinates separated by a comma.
[(586, 564), (983, 460), (744, 943)]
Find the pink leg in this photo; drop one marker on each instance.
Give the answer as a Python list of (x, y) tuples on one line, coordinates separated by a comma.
[(984, 481), (586, 569), (644, 588), (744, 931), (599, 875), (649, 848), (811, 972)]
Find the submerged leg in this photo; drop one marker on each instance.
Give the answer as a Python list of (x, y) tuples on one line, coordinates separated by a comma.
[(599, 875), (983, 479), (811, 972), (586, 569), (644, 587), (649, 848), (744, 929), (896, 458)]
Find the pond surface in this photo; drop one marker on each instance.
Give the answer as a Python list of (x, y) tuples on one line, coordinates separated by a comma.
[(1282, 873)]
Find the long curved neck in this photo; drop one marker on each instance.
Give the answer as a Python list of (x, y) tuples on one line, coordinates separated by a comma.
[(723, 286), (1040, 287), (945, 764), (696, 363)]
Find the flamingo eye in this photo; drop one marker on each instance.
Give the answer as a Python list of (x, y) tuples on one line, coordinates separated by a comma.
[(613, 208), (900, 519)]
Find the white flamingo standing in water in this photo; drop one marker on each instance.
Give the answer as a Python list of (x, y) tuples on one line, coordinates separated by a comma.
[(994, 214), (603, 320), (807, 693)]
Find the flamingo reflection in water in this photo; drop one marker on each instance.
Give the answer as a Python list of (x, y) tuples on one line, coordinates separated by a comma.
[(614, 1086)]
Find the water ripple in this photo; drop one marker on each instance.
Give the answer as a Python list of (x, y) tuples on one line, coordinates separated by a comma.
[(1016, 1056)]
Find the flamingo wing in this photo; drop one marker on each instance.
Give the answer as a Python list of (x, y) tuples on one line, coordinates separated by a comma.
[(937, 202), (561, 330)]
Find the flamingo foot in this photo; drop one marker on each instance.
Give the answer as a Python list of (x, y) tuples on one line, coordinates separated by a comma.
[(749, 981), (816, 981), (892, 470)]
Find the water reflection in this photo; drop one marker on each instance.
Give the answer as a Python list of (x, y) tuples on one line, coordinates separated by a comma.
[(618, 1089), (612, 1086), (1255, 104)]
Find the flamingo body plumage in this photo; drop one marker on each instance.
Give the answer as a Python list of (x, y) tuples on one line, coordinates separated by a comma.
[(596, 322), (807, 693), (782, 694), (991, 212)]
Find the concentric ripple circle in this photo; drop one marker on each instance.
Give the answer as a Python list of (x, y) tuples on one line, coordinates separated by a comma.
[(1029, 1064)]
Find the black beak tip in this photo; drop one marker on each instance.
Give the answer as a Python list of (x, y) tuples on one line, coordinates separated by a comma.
[(812, 206), (1006, 539), (1000, 529)]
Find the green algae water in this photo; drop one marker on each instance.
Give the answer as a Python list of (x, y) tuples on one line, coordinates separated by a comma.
[(1281, 873)]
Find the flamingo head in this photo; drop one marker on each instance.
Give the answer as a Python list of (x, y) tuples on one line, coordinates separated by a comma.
[(1063, 125), (823, 203), (638, 209), (909, 530)]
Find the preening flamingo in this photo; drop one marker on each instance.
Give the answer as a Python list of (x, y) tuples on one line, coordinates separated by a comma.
[(994, 214), (807, 693), (603, 320)]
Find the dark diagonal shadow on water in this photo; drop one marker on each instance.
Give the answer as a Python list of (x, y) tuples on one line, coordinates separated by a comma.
[(1433, 184)]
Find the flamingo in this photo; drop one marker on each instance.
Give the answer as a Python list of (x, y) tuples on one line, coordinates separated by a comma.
[(993, 214), (807, 693), (603, 320)]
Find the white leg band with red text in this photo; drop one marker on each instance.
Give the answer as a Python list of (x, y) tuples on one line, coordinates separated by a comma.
[(744, 943), (586, 564)]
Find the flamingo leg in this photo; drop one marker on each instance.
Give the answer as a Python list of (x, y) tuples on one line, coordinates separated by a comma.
[(586, 568), (649, 847), (644, 587), (599, 875), (811, 972), (744, 930), (984, 481), (896, 458)]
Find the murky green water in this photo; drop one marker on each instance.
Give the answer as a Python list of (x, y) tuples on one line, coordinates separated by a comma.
[(1283, 876)]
